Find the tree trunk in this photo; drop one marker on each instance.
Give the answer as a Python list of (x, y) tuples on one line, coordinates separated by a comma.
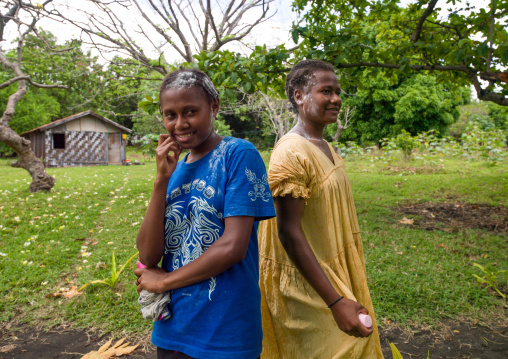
[(336, 137), (41, 181)]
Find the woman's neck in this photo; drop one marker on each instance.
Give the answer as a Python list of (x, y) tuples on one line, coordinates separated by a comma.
[(307, 130), (201, 151)]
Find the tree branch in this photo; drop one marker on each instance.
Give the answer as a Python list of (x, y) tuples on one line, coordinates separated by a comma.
[(491, 36), (27, 78), (425, 15)]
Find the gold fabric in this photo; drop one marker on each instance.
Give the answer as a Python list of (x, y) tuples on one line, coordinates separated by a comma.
[(296, 322)]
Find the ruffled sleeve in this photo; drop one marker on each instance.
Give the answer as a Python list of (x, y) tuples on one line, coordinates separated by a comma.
[(291, 172)]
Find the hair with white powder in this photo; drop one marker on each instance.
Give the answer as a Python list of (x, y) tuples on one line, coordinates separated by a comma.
[(187, 78)]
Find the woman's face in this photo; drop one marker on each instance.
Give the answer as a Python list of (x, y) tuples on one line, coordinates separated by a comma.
[(188, 116), (319, 101)]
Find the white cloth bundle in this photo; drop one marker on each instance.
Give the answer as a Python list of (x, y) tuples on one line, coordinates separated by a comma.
[(154, 304)]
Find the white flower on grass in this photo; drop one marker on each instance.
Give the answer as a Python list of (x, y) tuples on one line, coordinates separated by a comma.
[(3, 254), (44, 283), (49, 199), (27, 244)]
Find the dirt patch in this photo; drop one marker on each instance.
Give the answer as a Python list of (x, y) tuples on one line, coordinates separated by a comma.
[(59, 343), (453, 340), (453, 217), (413, 170)]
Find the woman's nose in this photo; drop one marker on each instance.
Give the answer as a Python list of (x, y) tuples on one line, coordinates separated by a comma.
[(336, 99), (181, 123)]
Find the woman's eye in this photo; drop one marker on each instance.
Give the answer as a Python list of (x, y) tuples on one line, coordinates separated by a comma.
[(326, 92), (190, 112)]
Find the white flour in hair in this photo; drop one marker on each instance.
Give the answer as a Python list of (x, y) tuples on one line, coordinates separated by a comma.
[(184, 80)]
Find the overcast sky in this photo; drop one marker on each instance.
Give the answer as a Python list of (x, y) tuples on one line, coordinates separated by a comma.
[(272, 32)]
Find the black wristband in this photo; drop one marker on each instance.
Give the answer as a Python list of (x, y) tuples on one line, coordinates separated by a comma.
[(331, 305)]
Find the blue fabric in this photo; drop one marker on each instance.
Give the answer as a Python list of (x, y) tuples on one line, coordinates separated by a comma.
[(219, 318)]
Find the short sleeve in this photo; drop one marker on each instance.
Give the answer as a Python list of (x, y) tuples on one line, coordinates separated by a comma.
[(247, 189), (290, 172)]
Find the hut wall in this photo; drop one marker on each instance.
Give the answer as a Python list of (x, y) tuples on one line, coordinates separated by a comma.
[(82, 148), (89, 123)]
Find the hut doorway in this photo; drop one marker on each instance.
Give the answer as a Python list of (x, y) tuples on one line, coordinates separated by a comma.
[(114, 148)]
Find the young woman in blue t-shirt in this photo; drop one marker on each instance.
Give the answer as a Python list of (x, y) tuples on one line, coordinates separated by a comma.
[(202, 221)]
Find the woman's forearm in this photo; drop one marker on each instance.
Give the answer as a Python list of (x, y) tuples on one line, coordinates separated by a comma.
[(225, 252), (150, 238), (301, 254), (289, 215)]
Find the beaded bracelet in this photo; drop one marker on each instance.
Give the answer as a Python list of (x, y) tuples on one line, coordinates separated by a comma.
[(331, 305)]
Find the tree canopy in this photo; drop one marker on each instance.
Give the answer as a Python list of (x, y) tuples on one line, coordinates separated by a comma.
[(459, 43), (457, 40)]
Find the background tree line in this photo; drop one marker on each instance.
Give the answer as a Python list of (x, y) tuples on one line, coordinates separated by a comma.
[(400, 67)]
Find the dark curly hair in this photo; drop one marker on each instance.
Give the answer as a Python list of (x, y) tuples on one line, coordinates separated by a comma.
[(301, 75), (186, 78)]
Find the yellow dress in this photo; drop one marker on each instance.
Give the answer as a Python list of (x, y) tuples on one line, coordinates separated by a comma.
[(296, 322)]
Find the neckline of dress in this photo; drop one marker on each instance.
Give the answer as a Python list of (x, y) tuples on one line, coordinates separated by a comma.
[(333, 163)]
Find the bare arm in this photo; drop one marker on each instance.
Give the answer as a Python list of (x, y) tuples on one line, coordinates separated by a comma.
[(150, 238), (228, 250), (345, 312)]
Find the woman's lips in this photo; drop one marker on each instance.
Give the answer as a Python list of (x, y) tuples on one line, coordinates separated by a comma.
[(183, 137)]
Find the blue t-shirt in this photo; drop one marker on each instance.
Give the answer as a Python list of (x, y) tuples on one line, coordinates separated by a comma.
[(219, 318)]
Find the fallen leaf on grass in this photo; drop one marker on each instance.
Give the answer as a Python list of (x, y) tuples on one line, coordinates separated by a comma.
[(105, 352), (407, 220), (441, 246), (66, 292)]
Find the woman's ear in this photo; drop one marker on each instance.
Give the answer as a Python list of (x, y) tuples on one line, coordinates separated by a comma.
[(298, 95), (215, 108)]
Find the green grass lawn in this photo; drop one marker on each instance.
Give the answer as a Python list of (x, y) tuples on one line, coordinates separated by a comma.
[(53, 241)]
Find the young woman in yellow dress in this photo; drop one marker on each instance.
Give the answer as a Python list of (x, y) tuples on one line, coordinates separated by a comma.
[(312, 269)]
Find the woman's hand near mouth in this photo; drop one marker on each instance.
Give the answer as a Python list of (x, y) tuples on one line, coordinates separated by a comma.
[(167, 154)]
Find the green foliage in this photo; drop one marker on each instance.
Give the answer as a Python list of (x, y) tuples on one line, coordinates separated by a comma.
[(499, 115), (149, 104), (490, 144), (113, 91), (144, 123), (115, 273), (490, 278), (222, 128), (416, 104), (380, 32), (35, 109), (350, 149), (147, 144), (261, 70), (406, 143)]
